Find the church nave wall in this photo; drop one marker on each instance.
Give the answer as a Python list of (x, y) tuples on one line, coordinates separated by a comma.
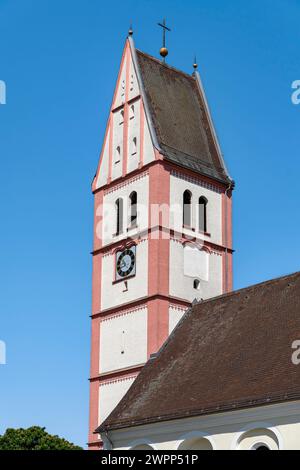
[(276, 427)]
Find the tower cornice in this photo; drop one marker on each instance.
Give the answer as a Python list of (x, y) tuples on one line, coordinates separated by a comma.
[(168, 166), (137, 303)]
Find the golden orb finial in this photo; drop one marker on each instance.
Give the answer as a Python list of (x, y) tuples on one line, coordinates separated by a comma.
[(195, 65), (164, 52)]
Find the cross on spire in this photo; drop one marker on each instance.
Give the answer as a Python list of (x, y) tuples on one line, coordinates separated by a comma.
[(164, 50)]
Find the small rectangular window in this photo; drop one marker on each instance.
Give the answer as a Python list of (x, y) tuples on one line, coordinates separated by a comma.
[(134, 146), (118, 154)]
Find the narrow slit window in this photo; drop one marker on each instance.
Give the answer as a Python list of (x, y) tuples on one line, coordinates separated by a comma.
[(202, 207), (134, 146), (121, 120), (187, 208), (119, 216), (131, 83), (118, 154), (123, 90), (123, 342)]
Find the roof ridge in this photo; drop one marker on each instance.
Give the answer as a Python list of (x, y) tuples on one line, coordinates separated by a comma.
[(155, 59), (197, 159), (242, 362), (252, 286), (189, 310)]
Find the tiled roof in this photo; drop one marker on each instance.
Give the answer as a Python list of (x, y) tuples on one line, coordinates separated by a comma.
[(180, 117), (229, 352)]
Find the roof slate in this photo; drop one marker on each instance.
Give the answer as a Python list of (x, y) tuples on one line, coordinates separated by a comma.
[(229, 352), (180, 118)]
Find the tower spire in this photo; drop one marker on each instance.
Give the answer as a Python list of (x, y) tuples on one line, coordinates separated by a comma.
[(164, 51)]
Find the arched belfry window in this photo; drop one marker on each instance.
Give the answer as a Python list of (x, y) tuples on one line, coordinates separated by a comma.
[(133, 208), (187, 208), (202, 208), (119, 216), (260, 447)]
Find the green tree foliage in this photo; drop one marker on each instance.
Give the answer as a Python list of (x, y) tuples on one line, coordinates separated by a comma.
[(34, 438)]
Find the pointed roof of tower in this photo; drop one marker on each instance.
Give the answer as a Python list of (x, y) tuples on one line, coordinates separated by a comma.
[(177, 110)]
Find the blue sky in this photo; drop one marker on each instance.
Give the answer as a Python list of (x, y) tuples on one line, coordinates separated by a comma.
[(59, 59)]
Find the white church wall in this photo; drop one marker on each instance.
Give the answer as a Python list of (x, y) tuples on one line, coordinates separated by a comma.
[(175, 314), (115, 293), (182, 279), (110, 394), (180, 183), (260, 436), (148, 150), (104, 164), (123, 340), (275, 426)]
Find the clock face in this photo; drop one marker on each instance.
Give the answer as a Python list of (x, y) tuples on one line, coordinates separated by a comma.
[(126, 262)]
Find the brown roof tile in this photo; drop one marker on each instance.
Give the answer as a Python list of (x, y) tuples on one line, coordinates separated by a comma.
[(229, 352), (179, 117)]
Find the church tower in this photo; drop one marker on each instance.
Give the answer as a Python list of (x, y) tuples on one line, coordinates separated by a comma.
[(162, 222)]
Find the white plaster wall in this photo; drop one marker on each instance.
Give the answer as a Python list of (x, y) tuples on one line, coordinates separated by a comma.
[(214, 207), (133, 132), (149, 154), (278, 426), (148, 151), (110, 394), (114, 294), (118, 129), (175, 314), (120, 92), (195, 262), (181, 285), (123, 340), (134, 90), (118, 132), (141, 186), (104, 164)]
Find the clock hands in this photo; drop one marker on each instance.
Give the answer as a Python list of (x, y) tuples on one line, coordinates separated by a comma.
[(126, 263)]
